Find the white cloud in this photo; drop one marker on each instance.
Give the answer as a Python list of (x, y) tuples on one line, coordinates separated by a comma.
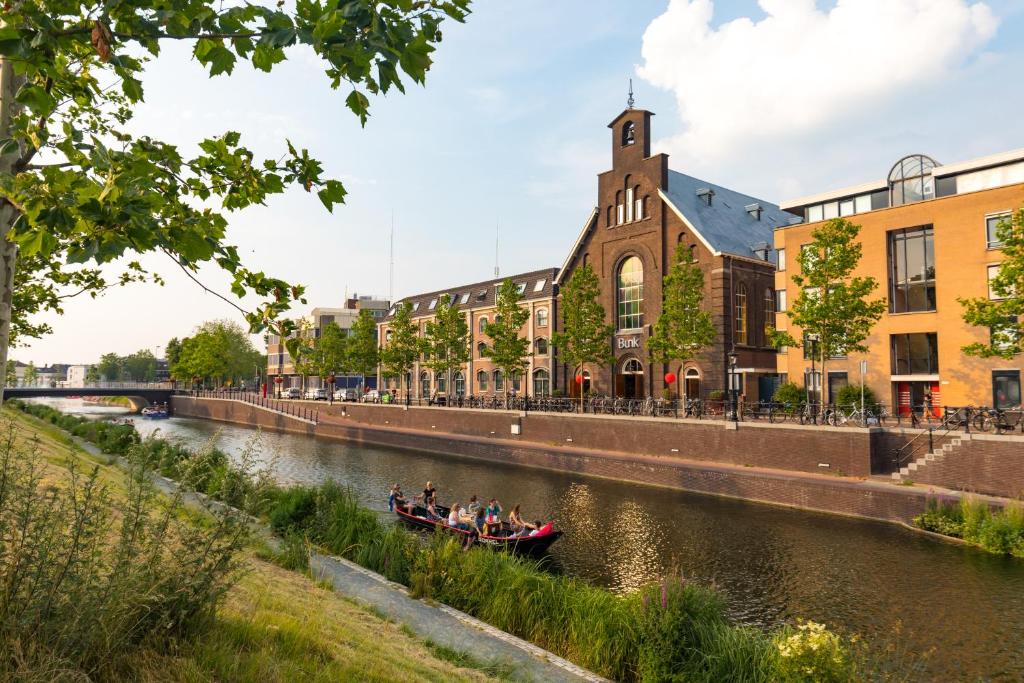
[(800, 68)]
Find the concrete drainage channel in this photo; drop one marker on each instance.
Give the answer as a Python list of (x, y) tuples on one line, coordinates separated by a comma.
[(436, 622)]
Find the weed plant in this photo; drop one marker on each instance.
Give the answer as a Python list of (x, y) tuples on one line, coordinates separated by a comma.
[(997, 531)]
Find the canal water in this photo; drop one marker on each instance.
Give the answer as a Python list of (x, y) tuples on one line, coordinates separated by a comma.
[(959, 608)]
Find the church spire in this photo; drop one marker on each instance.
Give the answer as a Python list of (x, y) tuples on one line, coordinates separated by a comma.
[(630, 101)]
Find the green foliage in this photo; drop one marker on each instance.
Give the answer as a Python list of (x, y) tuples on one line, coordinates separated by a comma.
[(790, 393), (104, 194), (999, 531), (363, 355), (684, 328), (140, 366), (447, 338), (172, 352), (585, 334), (110, 367), (849, 395), (508, 349), (403, 347), (91, 580), (810, 652), (329, 350), (832, 304), (31, 375), (1002, 317), (220, 351)]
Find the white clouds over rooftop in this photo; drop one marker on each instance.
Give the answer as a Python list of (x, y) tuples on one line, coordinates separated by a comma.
[(799, 68)]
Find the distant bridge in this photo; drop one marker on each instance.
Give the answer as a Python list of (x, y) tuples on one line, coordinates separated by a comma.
[(140, 394)]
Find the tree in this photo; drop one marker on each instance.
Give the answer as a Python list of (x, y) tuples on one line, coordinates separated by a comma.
[(219, 351), (447, 339), (300, 348), (508, 349), (140, 366), (329, 350), (92, 375), (684, 328), (101, 193), (362, 354), (11, 378), (403, 346), (31, 376), (586, 336), (110, 367), (1002, 316), (833, 305), (172, 351)]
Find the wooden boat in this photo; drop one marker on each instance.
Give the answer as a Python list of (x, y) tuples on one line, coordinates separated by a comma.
[(499, 538)]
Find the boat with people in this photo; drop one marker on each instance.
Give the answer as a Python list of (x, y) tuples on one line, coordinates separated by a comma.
[(155, 412), (477, 524)]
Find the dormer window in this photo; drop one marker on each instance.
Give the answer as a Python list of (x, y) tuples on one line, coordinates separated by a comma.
[(433, 304), (706, 195), (761, 250), (754, 211), (911, 180), (481, 295), (628, 133)]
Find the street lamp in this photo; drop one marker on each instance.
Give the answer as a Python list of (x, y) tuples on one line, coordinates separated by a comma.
[(733, 387), (330, 390), (812, 340)]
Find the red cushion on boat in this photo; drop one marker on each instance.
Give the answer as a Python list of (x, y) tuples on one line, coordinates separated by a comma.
[(546, 529)]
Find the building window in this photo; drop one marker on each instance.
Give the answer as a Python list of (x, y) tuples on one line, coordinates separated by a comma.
[(631, 294), (465, 299), (629, 204), (424, 383), (608, 217), (915, 354), (993, 273), (620, 210), (911, 270), (628, 133), (541, 383), (781, 295), (780, 259), (481, 380), (482, 325), (910, 180), (521, 287), (388, 335), (769, 314), (416, 306), (812, 381), (540, 346), (481, 349), (441, 382), (539, 286), (542, 317), (644, 208), (459, 383), (814, 213), (741, 314), (433, 304), (693, 253), (517, 382), (1006, 389), (1006, 335), (991, 227), (499, 380)]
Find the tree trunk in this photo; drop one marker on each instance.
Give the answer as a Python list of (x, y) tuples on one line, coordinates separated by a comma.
[(9, 84)]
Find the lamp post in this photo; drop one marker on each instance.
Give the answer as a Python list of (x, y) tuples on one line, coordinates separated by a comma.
[(330, 390), (278, 381), (733, 388), (812, 339)]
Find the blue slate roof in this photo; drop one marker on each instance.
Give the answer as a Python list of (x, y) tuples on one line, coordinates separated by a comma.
[(726, 224)]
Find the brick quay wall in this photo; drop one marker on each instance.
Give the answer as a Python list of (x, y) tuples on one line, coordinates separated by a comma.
[(752, 474)]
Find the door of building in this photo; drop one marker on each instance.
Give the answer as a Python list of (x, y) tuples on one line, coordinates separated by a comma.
[(692, 385), (631, 379), (766, 386), (1006, 389), (921, 398)]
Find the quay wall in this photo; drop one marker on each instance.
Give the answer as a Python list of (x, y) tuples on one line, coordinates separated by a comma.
[(489, 437)]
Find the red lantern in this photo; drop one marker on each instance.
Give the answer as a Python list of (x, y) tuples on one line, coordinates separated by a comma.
[(670, 378), (579, 379), (278, 379)]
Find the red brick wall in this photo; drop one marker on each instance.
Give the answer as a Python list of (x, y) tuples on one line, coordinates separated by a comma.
[(988, 464)]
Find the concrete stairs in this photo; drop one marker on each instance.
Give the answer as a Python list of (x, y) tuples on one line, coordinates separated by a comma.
[(936, 456)]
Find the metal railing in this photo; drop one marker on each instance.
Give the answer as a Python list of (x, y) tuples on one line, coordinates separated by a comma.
[(299, 409)]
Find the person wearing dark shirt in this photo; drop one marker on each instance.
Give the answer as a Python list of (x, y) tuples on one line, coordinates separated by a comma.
[(428, 492)]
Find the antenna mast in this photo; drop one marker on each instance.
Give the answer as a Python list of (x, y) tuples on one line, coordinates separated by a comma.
[(496, 233), (629, 100), (391, 261)]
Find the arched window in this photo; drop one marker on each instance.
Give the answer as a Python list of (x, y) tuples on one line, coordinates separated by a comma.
[(459, 383), (911, 180), (693, 253), (542, 317), (517, 382), (481, 349), (499, 380), (638, 204), (629, 203), (680, 237), (424, 383), (630, 303), (646, 208), (620, 210), (741, 313), (541, 383), (481, 380), (628, 133), (388, 335), (442, 382), (482, 325), (540, 346), (608, 219), (769, 314), (632, 367)]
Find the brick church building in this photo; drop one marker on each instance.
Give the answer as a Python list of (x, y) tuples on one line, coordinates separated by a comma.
[(644, 209)]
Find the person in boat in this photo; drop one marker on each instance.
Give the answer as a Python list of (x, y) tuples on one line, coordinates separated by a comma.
[(480, 521), (431, 510), (515, 520), (395, 497), (535, 528), (428, 492), (493, 512), (455, 519), (473, 506)]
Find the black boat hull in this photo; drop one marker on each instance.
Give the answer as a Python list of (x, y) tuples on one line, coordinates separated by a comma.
[(520, 545)]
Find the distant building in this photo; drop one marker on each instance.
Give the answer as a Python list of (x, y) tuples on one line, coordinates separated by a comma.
[(279, 362), (76, 375)]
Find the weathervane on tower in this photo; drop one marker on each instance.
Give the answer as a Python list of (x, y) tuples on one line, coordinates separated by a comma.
[(630, 100)]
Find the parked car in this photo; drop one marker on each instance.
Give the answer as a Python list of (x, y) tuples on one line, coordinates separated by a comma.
[(371, 396), (345, 395), (316, 394), (292, 392)]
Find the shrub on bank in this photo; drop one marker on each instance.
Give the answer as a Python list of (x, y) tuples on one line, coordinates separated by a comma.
[(1000, 531), (789, 393), (849, 395)]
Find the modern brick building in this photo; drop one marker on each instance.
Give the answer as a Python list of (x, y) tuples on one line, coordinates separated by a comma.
[(928, 236), (644, 209), (479, 377)]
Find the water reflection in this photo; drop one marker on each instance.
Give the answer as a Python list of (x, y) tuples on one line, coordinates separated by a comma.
[(774, 564)]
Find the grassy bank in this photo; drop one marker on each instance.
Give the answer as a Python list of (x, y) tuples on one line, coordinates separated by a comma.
[(998, 531), (671, 630), (103, 579)]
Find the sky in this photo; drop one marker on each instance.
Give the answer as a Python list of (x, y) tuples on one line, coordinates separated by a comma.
[(776, 98)]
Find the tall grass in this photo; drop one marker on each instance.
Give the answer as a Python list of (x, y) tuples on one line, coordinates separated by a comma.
[(87, 578), (999, 531)]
